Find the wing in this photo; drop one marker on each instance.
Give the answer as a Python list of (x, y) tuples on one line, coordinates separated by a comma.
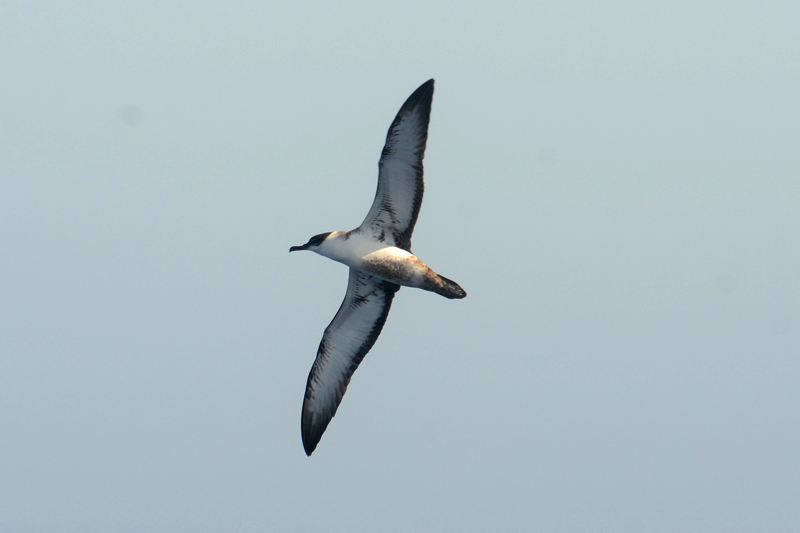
[(346, 341), (396, 206)]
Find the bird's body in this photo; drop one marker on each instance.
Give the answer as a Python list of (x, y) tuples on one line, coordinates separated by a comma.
[(378, 253), (367, 254)]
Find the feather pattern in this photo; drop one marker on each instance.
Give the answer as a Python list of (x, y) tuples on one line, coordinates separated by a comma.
[(398, 199), (346, 341)]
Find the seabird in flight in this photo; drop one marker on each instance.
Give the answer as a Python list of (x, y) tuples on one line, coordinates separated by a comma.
[(378, 253)]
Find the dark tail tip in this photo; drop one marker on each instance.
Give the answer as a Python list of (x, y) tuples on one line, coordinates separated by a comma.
[(450, 289)]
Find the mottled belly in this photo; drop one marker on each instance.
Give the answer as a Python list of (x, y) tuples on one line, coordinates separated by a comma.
[(407, 270)]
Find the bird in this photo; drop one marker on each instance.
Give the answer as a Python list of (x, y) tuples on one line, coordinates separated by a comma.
[(378, 253)]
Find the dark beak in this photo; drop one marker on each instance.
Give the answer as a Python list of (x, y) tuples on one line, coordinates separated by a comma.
[(298, 248)]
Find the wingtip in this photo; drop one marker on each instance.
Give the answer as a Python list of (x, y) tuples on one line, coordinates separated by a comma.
[(310, 437), (423, 91), (309, 442), (312, 427)]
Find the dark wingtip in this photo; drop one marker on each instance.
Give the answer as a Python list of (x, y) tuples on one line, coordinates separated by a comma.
[(310, 429), (423, 94), (309, 448), (426, 89), (310, 437)]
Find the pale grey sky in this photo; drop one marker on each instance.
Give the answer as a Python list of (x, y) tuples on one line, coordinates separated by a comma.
[(616, 185)]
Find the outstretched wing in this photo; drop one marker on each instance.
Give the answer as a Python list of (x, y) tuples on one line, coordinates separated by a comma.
[(346, 341), (396, 206)]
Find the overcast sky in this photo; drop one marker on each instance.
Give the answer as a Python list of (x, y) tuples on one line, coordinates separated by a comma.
[(616, 185)]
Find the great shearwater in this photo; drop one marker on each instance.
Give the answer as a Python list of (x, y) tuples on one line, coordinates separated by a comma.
[(378, 253)]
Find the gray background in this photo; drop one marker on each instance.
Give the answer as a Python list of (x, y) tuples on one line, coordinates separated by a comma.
[(614, 184)]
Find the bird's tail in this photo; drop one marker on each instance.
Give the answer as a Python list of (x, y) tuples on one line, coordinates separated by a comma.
[(448, 288)]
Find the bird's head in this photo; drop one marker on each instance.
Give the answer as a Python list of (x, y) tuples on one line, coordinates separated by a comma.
[(313, 243)]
